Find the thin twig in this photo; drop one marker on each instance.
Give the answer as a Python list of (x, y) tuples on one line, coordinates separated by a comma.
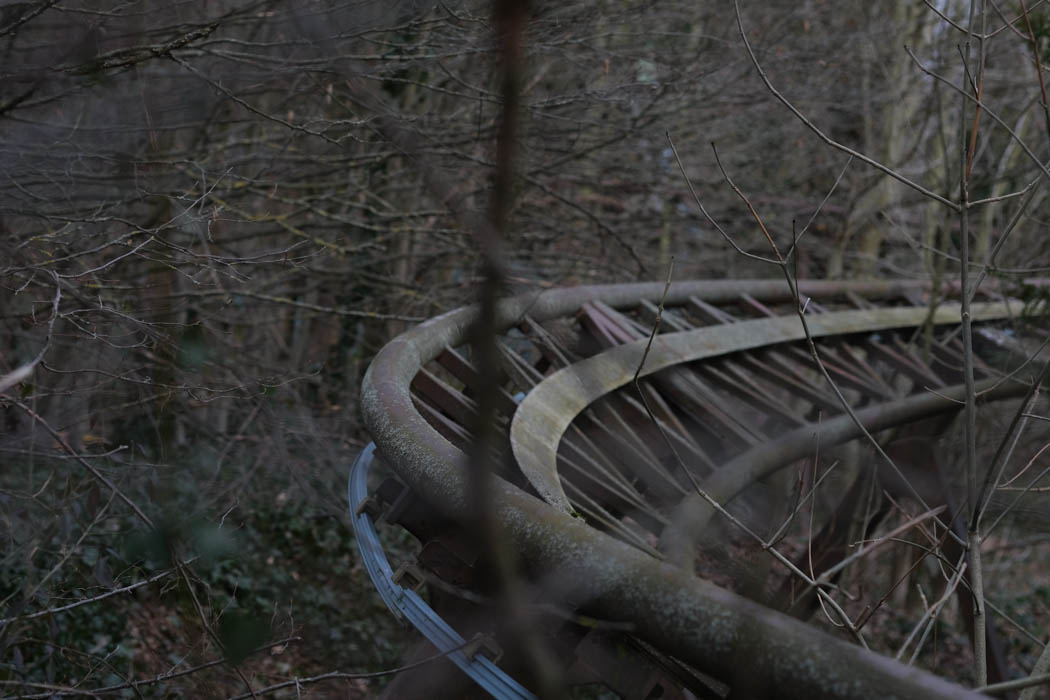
[(99, 476), (750, 207), (20, 374), (824, 137), (1017, 684), (337, 675), (87, 601), (60, 691), (700, 205)]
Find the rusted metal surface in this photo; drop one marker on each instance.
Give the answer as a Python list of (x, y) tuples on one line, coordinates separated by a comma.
[(609, 574), (694, 511), (549, 408)]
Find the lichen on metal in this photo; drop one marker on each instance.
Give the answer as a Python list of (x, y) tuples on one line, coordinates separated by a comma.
[(693, 620)]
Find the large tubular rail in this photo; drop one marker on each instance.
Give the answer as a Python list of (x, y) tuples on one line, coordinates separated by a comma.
[(695, 621)]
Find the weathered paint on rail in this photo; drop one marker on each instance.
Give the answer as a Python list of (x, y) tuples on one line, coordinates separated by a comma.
[(678, 613)]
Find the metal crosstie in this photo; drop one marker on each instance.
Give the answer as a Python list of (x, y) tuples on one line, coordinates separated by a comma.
[(611, 489)]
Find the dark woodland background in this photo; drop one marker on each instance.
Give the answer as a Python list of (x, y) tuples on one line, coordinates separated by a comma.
[(213, 214)]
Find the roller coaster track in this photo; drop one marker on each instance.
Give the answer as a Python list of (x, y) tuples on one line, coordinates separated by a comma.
[(610, 487)]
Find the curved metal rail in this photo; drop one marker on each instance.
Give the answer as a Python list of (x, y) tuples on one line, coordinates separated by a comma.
[(551, 406), (695, 621), (406, 603)]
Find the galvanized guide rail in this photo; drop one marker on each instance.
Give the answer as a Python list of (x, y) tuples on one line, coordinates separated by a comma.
[(735, 396), (406, 604)]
